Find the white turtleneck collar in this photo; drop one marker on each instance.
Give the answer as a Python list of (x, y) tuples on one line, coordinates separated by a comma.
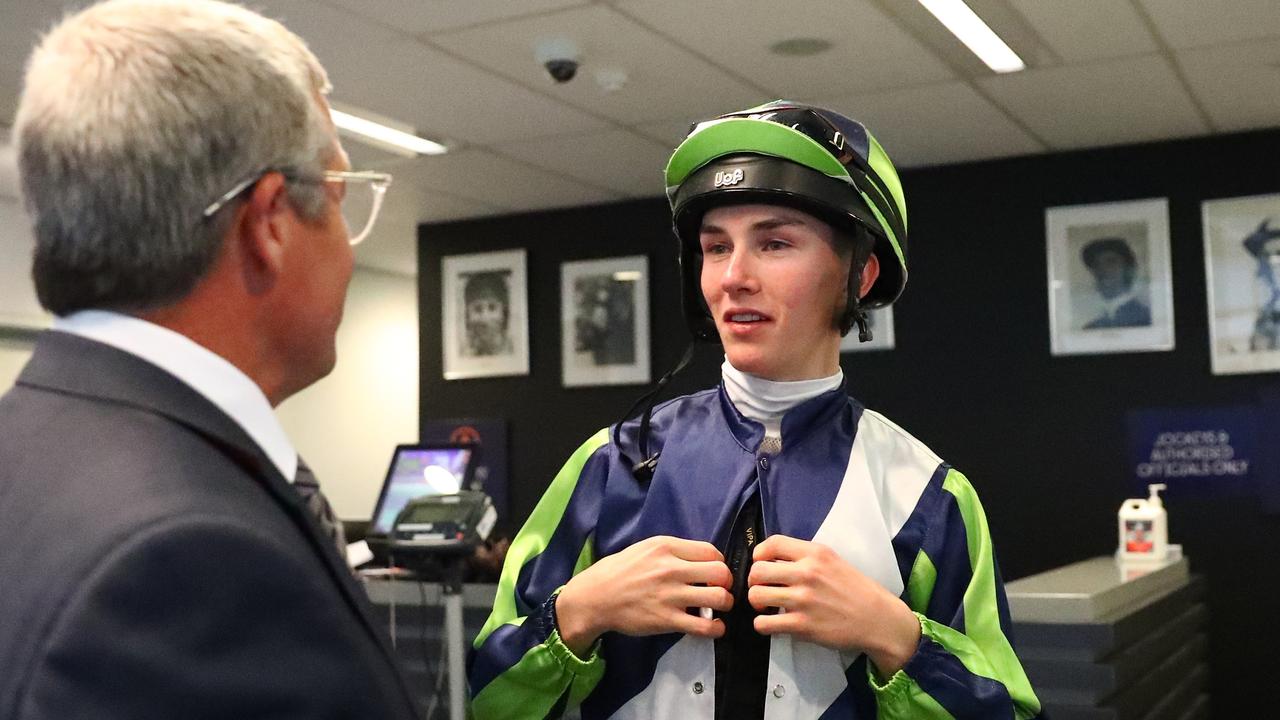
[(766, 401)]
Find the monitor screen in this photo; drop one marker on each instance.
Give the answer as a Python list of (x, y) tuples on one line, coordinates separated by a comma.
[(418, 471)]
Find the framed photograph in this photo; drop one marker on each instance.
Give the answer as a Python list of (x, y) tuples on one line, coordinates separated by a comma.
[(604, 320), (485, 315), (1110, 284), (880, 323), (1242, 276)]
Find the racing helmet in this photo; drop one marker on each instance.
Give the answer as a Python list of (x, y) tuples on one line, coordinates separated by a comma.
[(800, 156)]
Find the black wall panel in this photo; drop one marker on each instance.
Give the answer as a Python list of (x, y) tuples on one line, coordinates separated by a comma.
[(1042, 438)]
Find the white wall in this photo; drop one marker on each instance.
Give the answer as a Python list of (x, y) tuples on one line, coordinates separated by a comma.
[(347, 424), (15, 348), (19, 311)]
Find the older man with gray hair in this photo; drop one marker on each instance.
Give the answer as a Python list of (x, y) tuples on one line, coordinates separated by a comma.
[(166, 553)]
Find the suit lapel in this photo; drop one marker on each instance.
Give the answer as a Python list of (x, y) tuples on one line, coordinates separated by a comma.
[(74, 365)]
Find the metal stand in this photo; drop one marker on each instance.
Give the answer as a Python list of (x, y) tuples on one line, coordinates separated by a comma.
[(450, 568), (455, 652)]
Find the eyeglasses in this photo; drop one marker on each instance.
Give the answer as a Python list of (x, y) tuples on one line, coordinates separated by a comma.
[(362, 195), (359, 206)]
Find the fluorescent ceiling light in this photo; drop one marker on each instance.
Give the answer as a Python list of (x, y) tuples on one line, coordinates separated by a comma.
[(975, 34), (389, 138)]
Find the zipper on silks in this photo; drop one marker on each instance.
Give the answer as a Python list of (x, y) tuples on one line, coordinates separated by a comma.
[(742, 541), (741, 657)]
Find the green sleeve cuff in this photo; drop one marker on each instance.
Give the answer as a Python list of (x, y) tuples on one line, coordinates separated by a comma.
[(569, 660), (898, 689), (896, 685)]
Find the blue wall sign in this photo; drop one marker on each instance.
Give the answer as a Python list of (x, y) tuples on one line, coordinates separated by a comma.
[(1196, 451)]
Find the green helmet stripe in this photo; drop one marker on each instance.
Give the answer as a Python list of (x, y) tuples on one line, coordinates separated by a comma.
[(885, 225), (888, 231), (744, 135), (879, 161)]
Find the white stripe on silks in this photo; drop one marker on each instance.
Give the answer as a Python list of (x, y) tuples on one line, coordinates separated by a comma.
[(671, 692), (901, 466), (879, 490)]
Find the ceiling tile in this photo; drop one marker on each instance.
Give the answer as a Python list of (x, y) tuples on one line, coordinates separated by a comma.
[(364, 156), (392, 246), (1196, 23), (503, 183), (427, 16), (619, 159), (1104, 103), (438, 207), (944, 123), (668, 133), (660, 75), (1107, 29), (869, 51), (1237, 84), (419, 190), (394, 75), (24, 22)]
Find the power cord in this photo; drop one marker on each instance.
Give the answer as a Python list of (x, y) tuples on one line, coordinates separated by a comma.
[(435, 680)]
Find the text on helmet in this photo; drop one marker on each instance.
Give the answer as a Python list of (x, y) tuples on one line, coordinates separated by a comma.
[(725, 179)]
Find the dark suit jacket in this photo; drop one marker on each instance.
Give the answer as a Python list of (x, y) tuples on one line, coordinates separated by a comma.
[(154, 563), (1130, 314)]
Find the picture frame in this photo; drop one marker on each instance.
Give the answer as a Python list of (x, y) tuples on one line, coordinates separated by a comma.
[(880, 323), (485, 315), (604, 321), (1110, 278), (1242, 283)]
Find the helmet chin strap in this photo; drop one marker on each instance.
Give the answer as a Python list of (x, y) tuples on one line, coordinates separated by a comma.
[(860, 317), (853, 312), (644, 469)]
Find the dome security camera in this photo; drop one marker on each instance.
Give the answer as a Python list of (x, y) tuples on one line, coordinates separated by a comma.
[(559, 57), (561, 70)]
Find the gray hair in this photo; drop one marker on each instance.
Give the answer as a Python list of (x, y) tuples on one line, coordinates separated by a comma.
[(135, 115)]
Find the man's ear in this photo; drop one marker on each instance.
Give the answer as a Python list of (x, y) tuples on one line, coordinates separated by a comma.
[(870, 272), (263, 231)]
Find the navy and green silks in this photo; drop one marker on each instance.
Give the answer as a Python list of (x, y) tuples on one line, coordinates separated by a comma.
[(847, 478)]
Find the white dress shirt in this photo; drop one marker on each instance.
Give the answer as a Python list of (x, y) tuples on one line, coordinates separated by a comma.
[(217, 380)]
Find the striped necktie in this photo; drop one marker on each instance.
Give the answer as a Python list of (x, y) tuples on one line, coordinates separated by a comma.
[(309, 488)]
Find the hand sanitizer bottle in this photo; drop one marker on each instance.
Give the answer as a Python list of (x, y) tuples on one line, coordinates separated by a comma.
[(1144, 529)]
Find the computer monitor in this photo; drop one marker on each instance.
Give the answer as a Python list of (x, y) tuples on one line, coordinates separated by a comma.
[(417, 470)]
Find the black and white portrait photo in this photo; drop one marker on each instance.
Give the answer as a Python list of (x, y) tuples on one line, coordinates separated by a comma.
[(1118, 278), (1242, 273), (485, 315), (1109, 278), (605, 321)]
